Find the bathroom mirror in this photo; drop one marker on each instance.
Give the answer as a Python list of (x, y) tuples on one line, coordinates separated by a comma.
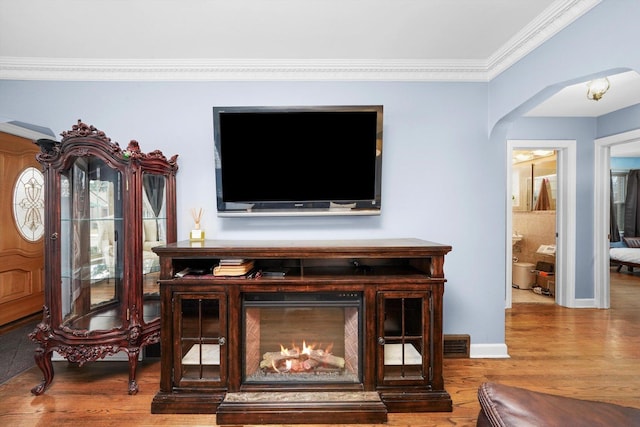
[(534, 182)]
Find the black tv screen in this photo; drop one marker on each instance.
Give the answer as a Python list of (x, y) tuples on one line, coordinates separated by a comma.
[(298, 160)]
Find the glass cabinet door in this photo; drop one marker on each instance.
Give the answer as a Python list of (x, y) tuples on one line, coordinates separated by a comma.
[(201, 339), (154, 233), (91, 234), (403, 331)]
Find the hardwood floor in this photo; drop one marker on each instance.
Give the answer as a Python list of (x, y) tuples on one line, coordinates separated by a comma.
[(583, 353)]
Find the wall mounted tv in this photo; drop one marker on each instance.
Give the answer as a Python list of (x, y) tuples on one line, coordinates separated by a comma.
[(320, 160)]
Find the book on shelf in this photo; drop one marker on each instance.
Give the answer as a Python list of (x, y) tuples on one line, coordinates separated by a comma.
[(240, 269), (232, 261)]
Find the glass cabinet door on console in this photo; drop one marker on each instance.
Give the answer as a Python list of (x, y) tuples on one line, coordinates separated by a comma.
[(105, 208), (404, 327), (200, 339)]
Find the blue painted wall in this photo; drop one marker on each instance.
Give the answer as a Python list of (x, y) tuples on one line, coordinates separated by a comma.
[(444, 164)]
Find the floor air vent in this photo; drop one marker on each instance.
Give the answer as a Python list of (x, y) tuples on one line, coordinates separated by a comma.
[(456, 346)]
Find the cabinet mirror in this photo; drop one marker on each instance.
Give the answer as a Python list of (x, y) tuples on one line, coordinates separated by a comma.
[(154, 233)]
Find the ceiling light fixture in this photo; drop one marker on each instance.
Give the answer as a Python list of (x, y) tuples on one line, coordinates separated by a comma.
[(542, 153), (597, 88), (522, 156)]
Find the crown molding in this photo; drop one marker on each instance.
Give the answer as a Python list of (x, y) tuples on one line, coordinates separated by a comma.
[(76, 69), (560, 14), (553, 20)]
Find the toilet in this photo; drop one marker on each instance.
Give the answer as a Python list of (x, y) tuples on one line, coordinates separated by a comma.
[(523, 276)]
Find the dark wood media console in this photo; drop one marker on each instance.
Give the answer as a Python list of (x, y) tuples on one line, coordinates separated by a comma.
[(318, 332)]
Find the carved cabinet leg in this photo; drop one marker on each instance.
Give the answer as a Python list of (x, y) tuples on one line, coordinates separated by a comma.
[(42, 357), (133, 366)]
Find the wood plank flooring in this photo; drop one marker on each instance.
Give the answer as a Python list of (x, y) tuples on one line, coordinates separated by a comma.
[(584, 353)]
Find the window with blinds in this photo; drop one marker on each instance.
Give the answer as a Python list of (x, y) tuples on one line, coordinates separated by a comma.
[(618, 195)]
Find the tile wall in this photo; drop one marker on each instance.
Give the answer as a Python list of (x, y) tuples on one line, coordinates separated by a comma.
[(538, 228)]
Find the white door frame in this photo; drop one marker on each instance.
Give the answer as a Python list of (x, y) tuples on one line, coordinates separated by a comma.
[(565, 217), (602, 192)]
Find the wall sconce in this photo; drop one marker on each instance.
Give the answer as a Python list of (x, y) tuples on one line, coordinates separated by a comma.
[(597, 88)]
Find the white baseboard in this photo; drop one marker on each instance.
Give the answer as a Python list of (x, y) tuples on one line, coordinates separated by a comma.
[(584, 303), (488, 351)]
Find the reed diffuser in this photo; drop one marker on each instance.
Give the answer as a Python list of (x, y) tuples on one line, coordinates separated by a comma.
[(197, 234)]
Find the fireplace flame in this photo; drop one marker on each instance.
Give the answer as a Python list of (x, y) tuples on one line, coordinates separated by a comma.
[(301, 359), (296, 351), (306, 350), (284, 351)]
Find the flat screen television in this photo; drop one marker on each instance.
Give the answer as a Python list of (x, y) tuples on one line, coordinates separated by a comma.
[(320, 160)]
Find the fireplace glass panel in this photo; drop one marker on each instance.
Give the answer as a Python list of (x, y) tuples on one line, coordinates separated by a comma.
[(200, 339), (302, 338)]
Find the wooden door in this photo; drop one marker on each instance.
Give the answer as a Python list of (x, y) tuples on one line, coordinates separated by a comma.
[(21, 228)]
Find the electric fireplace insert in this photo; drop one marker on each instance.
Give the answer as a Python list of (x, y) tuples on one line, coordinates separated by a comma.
[(302, 338)]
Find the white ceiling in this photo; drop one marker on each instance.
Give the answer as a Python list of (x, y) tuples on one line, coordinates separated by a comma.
[(572, 101), (471, 40), (428, 40), (282, 29)]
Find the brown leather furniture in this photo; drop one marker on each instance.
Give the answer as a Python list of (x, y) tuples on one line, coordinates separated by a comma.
[(505, 406)]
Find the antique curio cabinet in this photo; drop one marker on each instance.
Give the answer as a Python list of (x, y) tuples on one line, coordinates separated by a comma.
[(106, 208)]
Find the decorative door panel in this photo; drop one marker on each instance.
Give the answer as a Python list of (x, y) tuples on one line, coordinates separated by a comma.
[(21, 228)]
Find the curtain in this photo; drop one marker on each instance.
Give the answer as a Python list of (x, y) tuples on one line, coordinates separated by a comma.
[(632, 203), (614, 232), (154, 188)]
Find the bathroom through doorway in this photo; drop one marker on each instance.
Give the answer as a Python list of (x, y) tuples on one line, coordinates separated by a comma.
[(534, 193), (552, 240)]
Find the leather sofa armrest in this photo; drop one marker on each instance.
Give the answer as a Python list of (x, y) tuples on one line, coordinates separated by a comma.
[(483, 421), (503, 406)]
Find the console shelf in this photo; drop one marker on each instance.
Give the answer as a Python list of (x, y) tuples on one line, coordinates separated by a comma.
[(393, 290)]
